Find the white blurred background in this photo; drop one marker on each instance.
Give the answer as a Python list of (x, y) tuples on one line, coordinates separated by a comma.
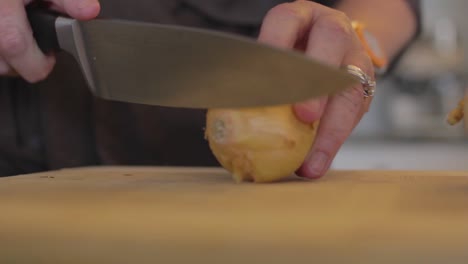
[(406, 128)]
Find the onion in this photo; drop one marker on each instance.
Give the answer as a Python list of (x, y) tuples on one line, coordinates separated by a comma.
[(259, 144)]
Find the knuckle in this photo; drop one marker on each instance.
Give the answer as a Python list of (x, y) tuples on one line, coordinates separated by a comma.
[(335, 25), (367, 63), (287, 11), (361, 51), (12, 41), (342, 16), (333, 139), (354, 98)]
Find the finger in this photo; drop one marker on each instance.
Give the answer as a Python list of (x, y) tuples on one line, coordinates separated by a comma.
[(365, 109), (284, 24), (338, 121), (17, 46), (79, 9), (336, 124), (333, 41), (367, 67), (328, 42), (311, 110), (330, 39)]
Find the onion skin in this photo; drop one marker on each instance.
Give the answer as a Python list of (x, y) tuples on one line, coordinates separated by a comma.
[(259, 144)]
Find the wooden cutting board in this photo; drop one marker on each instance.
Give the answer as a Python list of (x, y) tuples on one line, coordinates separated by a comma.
[(199, 215)]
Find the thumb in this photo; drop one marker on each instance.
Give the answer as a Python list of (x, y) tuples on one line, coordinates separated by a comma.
[(78, 9), (311, 110)]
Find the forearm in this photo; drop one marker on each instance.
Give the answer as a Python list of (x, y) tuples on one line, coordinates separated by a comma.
[(392, 22)]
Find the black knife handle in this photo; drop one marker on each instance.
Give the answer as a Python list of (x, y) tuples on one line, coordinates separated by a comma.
[(43, 26)]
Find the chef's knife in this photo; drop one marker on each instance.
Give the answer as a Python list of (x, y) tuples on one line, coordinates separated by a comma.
[(177, 66)]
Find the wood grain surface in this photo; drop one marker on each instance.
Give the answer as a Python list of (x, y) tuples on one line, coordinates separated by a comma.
[(199, 215)]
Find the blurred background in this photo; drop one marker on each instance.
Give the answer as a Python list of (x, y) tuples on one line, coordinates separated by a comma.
[(406, 128)]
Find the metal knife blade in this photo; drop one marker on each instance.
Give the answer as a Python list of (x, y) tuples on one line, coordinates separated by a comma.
[(185, 67)]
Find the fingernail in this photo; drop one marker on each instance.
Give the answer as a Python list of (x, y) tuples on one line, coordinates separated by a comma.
[(317, 163)]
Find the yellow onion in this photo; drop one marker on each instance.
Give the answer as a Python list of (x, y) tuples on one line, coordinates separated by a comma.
[(259, 144)]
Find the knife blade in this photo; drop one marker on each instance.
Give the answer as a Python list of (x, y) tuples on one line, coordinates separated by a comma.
[(186, 67)]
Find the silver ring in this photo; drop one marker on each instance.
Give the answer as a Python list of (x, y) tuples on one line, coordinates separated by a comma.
[(366, 81)]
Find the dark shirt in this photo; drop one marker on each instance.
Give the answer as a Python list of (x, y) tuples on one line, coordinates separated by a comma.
[(57, 123)]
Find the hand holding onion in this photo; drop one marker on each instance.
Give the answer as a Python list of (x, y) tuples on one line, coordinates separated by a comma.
[(270, 143)]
